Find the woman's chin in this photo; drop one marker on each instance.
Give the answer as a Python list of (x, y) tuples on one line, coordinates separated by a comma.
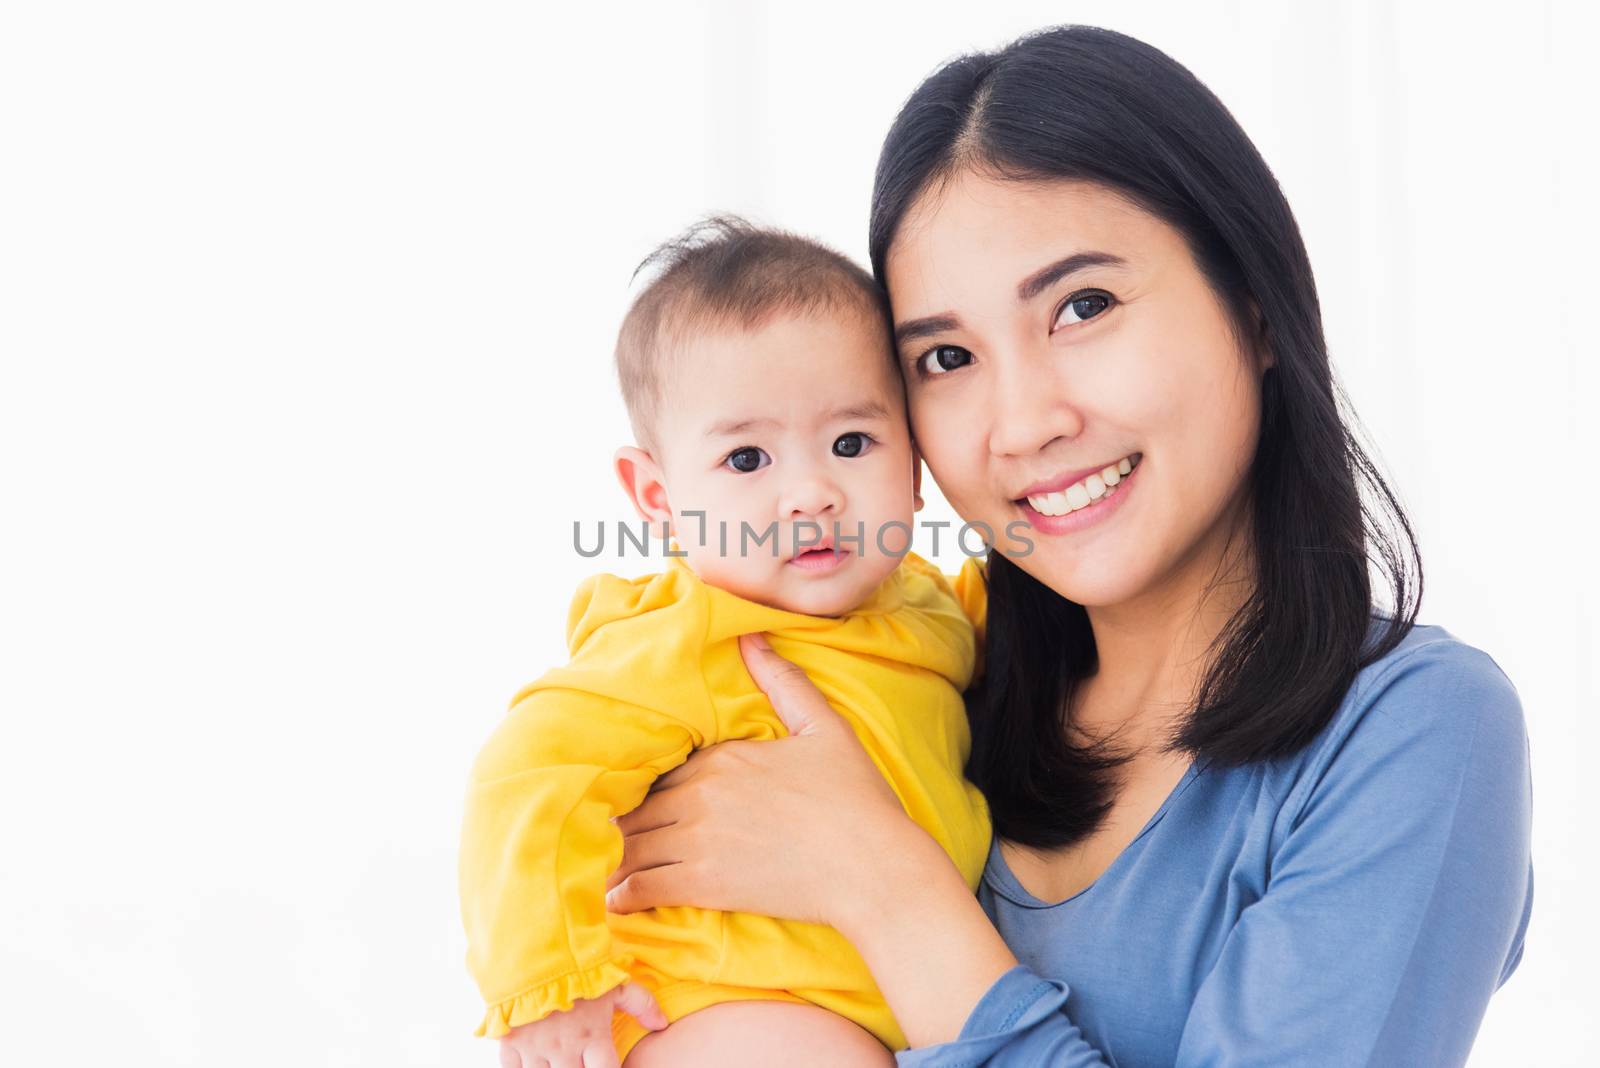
[(1091, 581)]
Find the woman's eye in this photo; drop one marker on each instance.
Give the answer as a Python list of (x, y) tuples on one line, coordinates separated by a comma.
[(852, 445), (943, 359), (1081, 307), (747, 459)]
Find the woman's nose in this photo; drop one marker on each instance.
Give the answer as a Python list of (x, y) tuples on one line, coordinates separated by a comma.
[(1030, 408)]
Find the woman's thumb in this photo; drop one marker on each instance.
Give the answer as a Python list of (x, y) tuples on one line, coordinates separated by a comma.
[(796, 699), (638, 1002)]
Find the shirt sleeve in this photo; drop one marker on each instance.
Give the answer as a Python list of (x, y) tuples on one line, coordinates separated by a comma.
[(971, 586), (538, 845), (1020, 1020), (1397, 903)]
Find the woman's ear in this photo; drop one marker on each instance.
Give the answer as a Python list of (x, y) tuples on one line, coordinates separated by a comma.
[(642, 480), (1261, 340)]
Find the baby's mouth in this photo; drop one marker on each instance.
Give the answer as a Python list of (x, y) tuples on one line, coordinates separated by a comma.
[(823, 555)]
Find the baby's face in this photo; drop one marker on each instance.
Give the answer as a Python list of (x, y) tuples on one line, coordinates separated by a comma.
[(800, 421)]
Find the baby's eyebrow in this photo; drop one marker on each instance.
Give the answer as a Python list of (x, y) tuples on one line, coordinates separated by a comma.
[(729, 427), (865, 410)]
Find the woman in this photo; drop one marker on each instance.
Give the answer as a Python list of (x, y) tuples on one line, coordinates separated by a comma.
[(1243, 814)]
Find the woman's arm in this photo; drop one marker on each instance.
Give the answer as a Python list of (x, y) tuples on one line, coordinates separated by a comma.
[(1396, 905), (1400, 896), (929, 945), (820, 837), (1398, 900)]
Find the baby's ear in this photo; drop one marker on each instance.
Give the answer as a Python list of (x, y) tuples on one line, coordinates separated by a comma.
[(642, 480), (916, 477)]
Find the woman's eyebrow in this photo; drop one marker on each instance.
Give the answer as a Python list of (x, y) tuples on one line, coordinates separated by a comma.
[(1045, 277), (1027, 289), (912, 329)]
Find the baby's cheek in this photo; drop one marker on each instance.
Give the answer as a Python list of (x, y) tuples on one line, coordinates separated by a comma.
[(891, 536), (736, 573)]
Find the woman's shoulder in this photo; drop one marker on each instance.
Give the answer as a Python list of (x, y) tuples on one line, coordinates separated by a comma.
[(1434, 681), (1432, 709)]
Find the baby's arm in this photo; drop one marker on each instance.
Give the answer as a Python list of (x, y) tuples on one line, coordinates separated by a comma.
[(581, 1036), (538, 844), (971, 585)]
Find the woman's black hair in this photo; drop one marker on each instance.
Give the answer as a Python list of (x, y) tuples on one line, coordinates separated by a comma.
[(1083, 103)]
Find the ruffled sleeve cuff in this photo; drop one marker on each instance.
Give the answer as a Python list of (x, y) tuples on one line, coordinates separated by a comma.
[(556, 995)]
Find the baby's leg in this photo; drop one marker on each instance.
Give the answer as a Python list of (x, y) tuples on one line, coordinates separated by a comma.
[(760, 1034)]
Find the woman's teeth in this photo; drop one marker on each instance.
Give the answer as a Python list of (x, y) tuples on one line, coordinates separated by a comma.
[(1083, 494)]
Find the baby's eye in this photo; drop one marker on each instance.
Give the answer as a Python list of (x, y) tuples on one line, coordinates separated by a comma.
[(852, 444), (943, 359), (1083, 306), (747, 459)]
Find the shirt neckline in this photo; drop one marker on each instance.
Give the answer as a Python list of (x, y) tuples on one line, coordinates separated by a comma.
[(1003, 881)]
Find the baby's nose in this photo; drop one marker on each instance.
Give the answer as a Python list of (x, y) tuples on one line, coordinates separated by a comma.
[(812, 497)]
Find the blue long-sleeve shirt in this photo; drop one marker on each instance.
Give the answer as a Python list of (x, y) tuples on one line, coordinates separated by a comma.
[(1354, 903)]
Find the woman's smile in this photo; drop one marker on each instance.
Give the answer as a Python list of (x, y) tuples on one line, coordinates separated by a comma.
[(1087, 500)]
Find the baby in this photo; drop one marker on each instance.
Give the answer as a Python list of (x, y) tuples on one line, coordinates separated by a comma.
[(773, 445)]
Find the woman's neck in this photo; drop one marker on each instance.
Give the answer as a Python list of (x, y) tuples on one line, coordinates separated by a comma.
[(1154, 650)]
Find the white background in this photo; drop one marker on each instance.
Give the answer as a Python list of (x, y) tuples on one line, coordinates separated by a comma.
[(306, 312)]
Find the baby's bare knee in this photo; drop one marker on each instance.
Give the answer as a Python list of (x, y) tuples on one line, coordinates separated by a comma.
[(743, 1034)]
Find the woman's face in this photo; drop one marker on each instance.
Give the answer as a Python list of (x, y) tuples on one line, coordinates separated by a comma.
[(1068, 366)]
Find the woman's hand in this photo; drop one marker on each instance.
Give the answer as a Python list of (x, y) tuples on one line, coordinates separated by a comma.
[(806, 828), (803, 827)]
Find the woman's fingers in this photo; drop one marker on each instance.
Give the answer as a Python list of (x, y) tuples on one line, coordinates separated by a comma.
[(794, 697), (652, 888), (665, 806), (641, 852), (656, 810), (774, 828), (680, 774)]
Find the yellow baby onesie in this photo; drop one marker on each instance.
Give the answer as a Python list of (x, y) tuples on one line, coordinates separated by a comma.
[(655, 673)]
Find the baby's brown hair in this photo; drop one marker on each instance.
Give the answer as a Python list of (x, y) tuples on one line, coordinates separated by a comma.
[(726, 272)]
